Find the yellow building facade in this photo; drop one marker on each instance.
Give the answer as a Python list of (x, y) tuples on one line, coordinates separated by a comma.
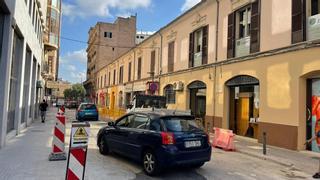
[(249, 66)]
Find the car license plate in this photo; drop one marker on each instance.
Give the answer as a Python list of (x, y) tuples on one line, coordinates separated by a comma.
[(88, 113), (189, 144)]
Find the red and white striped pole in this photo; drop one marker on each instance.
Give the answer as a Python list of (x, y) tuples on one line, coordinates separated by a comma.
[(76, 164), (58, 139), (79, 138)]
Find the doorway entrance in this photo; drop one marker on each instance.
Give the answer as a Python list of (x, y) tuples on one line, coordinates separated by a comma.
[(198, 90), (313, 113), (244, 106)]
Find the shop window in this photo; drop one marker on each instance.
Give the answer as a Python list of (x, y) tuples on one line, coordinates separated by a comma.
[(170, 94), (198, 47)]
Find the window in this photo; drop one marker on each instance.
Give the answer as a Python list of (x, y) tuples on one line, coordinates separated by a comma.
[(98, 82), (244, 31), (101, 82), (153, 61), (129, 72), (105, 80), (198, 47), (170, 94), (30, 7), (139, 67), (125, 121), (315, 7), (244, 22), (140, 122), (155, 125), (34, 12), (108, 34), (114, 77), (121, 75), (171, 56), (181, 124), (109, 80)]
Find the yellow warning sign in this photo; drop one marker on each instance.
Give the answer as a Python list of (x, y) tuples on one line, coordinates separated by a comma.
[(80, 133)]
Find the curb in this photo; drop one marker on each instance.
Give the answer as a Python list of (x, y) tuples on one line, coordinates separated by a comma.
[(268, 158)]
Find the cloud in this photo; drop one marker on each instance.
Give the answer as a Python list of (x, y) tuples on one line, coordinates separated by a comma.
[(100, 8), (78, 77), (79, 56), (72, 66), (189, 4)]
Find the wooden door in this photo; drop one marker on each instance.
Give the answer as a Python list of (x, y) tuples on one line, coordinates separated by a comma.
[(243, 115)]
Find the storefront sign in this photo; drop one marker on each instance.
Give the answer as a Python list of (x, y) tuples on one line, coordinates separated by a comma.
[(313, 27)]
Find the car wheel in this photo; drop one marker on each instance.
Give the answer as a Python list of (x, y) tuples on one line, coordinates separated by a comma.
[(197, 165), (103, 147), (150, 164)]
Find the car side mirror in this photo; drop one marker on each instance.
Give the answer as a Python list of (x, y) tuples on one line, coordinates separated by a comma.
[(129, 106), (111, 124)]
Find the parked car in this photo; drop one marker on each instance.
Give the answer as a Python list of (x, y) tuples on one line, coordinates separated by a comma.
[(87, 111), (71, 104), (157, 139)]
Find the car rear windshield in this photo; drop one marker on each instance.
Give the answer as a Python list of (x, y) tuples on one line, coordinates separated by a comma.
[(88, 106), (181, 124)]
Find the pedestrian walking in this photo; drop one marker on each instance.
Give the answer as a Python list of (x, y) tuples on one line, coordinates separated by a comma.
[(43, 109)]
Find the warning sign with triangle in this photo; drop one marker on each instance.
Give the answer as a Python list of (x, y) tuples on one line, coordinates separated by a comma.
[(80, 133)]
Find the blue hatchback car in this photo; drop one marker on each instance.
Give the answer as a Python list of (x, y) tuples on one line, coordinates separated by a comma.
[(87, 111), (158, 139)]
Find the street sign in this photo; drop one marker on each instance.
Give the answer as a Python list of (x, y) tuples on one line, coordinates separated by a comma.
[(80, 134)]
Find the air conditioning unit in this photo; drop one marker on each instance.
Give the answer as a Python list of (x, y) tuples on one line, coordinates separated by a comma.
[(178, 86)]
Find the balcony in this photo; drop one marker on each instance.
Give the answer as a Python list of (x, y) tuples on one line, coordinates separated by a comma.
[(51, 41), (313, 27)]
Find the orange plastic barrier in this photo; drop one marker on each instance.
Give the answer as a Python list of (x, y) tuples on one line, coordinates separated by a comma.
[(223, 139)]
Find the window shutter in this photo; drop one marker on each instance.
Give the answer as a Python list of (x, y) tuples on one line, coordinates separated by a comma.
[(153, 59), (205, 45), (231, 35), (255, 27), (171, 57), (191, 49), (298, 22)]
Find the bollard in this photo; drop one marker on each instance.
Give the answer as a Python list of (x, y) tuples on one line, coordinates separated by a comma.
[(58, 153), (264, 143), (78, 151)]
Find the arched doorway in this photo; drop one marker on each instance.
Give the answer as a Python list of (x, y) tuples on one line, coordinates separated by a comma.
[(198, 91), (244, 105), (120, 102)]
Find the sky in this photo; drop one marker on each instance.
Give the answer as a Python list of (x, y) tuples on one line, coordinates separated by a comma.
[(79, 15)]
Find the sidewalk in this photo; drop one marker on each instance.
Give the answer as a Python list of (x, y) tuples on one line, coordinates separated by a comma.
[(26, 156), (296, 161)]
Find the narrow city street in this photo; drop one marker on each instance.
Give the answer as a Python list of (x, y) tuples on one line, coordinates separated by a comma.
[(26, 157)]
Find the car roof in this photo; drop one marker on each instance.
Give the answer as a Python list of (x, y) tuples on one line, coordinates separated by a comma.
[(87, 104), (156, 114)]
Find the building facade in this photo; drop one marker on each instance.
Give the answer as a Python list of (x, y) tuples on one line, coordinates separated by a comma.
[(22, 24), (51, 39), (57, 88), (107, 41), (249, 66)]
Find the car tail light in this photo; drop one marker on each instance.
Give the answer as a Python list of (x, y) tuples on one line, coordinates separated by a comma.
[(167, 138), (79, 110)]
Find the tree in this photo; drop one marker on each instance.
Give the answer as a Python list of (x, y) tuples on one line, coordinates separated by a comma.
[(77, 92)]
